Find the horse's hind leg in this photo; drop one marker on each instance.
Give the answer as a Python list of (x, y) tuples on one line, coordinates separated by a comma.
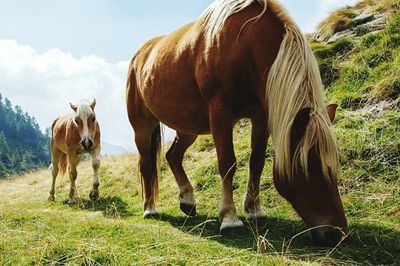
[(55, 158), (148, 142), (147, 138), (175, 157), (259, 138)]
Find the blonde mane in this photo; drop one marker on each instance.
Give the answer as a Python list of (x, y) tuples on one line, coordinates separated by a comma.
[(293, 83), (214, 17)]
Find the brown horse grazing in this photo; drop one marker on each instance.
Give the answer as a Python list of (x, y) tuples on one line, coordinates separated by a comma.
[(241, 59), (72, 136)]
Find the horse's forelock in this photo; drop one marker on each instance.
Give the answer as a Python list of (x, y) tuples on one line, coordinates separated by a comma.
[(84, 111)]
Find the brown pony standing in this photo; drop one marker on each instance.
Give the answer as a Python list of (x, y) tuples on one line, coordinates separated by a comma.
[(241, 59), (72, 136)]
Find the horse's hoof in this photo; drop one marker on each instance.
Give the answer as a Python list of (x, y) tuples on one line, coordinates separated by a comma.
[(188, 209), (232, 231), (94, 196), (71, 202), (150, 214), (231, 227), (258, 215), (51, 198)]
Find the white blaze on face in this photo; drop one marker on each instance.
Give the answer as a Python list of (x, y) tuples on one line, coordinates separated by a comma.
[(83, 112)]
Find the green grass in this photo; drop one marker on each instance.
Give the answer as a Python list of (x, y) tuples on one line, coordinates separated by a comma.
[(112, 230)]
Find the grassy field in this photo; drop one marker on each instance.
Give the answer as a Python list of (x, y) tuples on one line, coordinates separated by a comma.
[(362, 75), (112, 230)]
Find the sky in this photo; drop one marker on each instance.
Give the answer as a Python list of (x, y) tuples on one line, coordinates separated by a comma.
[(56, 52)]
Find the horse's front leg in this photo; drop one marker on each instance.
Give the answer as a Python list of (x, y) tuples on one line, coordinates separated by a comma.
[(72, 177), (94, 193), (259, 138), (221, 122)]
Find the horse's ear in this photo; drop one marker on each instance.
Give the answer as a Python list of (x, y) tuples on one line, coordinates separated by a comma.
[(300, 124), (93, 104), (331, 109), (73, 106)]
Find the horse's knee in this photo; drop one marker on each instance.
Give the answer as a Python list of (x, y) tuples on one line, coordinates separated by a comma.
[(96, 165), (54, 170), (227, 168)]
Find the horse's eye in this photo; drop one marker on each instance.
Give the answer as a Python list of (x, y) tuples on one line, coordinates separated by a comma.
[(77, 120), (93, 119)]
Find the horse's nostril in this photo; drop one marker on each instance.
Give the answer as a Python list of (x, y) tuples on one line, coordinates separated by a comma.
[(86, 143)]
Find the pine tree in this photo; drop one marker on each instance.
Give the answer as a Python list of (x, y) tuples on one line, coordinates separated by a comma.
[(23, 147)]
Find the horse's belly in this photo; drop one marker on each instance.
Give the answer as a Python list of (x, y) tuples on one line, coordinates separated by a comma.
[(180, 108), (187, 122)]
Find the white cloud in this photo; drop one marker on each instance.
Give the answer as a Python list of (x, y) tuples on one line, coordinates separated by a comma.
[(44, 83)]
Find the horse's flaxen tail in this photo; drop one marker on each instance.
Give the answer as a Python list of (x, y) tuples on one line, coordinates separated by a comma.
[(63, 163), (155, 154)]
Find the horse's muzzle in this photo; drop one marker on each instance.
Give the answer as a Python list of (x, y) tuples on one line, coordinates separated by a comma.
[(328, 236), (87, 144)]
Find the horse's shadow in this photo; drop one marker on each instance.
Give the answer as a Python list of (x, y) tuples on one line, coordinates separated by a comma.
[(366, 244), (110, 206)]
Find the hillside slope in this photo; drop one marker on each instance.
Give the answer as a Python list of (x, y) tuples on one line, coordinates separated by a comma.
[(362, 75)]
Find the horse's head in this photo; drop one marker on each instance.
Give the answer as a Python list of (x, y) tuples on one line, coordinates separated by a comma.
[(85, 120), (311, 187)]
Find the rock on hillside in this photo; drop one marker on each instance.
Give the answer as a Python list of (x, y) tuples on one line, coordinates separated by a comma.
[(365, 17)]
